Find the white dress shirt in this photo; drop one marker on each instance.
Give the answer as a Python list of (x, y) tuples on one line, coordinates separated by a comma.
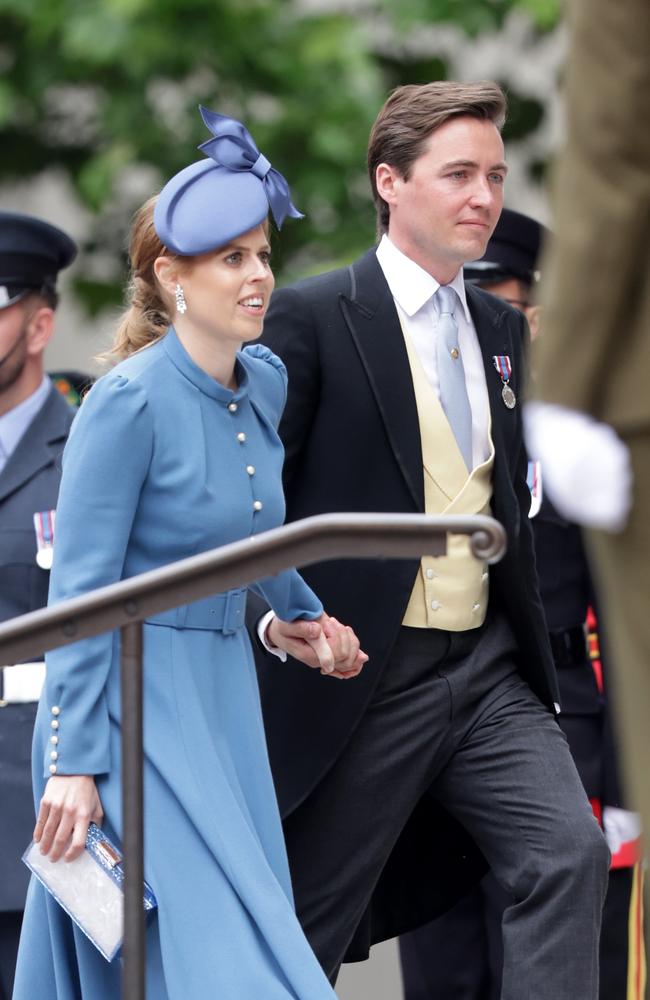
[(14, 423), (413, 290)]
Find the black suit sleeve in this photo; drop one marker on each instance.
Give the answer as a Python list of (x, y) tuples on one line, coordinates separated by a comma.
[(290, 332), (526, 543)]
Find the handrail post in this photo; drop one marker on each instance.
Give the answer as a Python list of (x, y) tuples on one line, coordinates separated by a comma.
[(133, 948)]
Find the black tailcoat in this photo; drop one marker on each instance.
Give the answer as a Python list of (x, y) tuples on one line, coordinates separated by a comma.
[(352, 441), (29, 483)]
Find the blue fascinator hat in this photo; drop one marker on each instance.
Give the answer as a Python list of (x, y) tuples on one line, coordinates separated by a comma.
[(209, 203)]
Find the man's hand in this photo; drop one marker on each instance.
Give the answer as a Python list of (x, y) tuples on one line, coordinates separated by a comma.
[(69, 804), (323, 644)]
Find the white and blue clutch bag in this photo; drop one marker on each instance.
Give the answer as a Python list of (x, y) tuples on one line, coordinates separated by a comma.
[(90, 889)]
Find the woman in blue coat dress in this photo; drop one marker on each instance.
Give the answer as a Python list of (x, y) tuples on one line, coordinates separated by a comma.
[(175, 452)]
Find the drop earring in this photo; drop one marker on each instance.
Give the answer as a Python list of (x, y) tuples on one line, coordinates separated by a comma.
[(181, 304)]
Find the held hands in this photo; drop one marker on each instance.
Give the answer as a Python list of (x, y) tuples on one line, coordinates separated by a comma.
[(69, 804), (324, 644)]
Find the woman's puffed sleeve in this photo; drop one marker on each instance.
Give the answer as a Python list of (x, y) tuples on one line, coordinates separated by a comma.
[(270, 380), (287, 593), (105, 464)]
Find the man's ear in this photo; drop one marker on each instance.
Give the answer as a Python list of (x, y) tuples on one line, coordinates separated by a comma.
[(40, 328), (166, 271), (387, 180)]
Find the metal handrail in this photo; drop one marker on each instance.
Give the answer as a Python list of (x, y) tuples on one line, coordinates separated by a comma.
[(127, 604), (314, 539)]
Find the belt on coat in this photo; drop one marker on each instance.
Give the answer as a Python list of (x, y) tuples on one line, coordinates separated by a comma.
[(569, 646), (222, 613), (21, 683)]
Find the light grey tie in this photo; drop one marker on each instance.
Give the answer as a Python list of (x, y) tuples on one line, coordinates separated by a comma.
[(451, 374)]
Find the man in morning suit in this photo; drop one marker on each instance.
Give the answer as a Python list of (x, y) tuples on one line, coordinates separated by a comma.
[(444, 753), (34, 424), (434, 958)]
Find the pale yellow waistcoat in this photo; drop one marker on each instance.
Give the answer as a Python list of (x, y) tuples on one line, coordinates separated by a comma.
[(450, 592)]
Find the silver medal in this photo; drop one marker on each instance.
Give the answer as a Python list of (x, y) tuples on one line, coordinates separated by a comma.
[(44, 557), (44, 530), (508, 396)]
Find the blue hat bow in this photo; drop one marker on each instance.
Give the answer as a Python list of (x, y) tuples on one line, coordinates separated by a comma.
[(228, 192), (233, 147)]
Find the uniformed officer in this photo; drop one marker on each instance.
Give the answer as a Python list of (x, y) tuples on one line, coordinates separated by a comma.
[(590, 415), (34, 423), (460, 954)]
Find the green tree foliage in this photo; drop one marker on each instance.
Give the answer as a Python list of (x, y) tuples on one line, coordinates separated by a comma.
[(98, 87), (473, 17)]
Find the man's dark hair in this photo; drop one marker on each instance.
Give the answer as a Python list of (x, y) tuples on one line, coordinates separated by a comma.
[(412, 113)]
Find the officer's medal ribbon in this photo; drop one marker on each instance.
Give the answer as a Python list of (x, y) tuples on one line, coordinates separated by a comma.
[(504, 368), (44, 528), (534, 481)]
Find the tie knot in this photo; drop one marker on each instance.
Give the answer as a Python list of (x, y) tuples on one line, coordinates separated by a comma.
[(447, 298)]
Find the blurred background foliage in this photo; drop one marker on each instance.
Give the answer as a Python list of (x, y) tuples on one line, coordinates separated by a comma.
[(107, 92)]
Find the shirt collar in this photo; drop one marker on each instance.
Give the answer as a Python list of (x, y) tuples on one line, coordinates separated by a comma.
[(410, 285), (14, 423)]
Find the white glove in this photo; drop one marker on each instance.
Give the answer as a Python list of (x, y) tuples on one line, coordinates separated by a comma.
[(620, 827), (586, 466)]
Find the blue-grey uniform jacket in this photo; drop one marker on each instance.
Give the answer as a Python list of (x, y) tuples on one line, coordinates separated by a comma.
[(29, 483)]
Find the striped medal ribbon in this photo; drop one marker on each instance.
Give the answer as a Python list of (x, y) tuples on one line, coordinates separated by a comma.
[(44, 528), (534, 481), (504, 368)]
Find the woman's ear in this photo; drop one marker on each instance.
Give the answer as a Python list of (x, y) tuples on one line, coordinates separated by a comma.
[(166, 273)]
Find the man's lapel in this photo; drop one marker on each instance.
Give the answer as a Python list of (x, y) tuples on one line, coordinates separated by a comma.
[(42, 443), (371, 317)]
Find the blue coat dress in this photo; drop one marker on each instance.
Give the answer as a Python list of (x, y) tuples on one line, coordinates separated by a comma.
[(164, 462)]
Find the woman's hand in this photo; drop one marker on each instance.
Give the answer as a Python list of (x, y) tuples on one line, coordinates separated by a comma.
[(69, 804), (324, 644)]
